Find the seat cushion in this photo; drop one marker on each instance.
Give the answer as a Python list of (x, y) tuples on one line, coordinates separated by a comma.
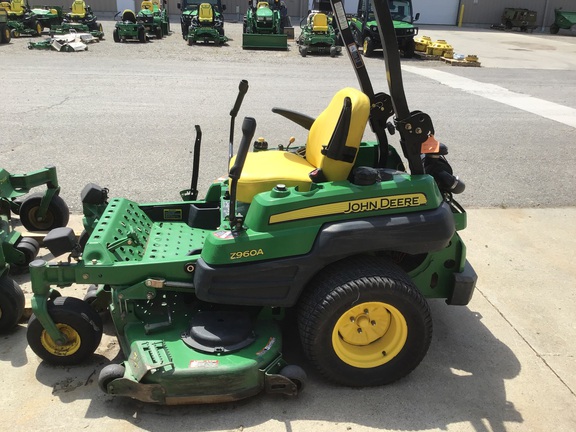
[(264, 170)]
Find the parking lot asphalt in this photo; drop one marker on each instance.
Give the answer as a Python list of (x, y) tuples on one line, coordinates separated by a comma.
[(503, 363)]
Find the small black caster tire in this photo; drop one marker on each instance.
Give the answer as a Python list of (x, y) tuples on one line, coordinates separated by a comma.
[(108, 374), (57, 215), (295, 374)]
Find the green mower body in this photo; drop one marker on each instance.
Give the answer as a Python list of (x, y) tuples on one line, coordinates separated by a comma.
[(355, 245)]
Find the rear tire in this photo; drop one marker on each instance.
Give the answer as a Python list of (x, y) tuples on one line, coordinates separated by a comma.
[(78, 321), (6, 36), (409, 48), (11, 303), (142, 35), (364, 323), (116, 36), (554, 29)]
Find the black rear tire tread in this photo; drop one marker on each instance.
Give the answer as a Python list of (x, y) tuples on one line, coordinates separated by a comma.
[(356, 280)]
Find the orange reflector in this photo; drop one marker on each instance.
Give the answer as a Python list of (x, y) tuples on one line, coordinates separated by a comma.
[(431, 145)]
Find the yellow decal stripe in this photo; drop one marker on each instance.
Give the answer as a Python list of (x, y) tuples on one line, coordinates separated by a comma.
[(355, 206)]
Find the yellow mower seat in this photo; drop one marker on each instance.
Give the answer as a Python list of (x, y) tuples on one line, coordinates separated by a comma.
[(205, 13), (17, 7), (320, 23), (157, 5), (262, 5), (78, 9), (148, 5), (264, 170)]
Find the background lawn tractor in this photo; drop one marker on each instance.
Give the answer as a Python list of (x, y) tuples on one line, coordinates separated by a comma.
[(154, 19), (129, 28), (189, 10), (263, 26), (79, 20), (336, 230), (207, 25), (317, 35), (21, 19), (38, 212), (365, 27)]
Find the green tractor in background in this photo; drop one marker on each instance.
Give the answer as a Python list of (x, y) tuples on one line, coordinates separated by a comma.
[(80, 19), (263, 26), (40, 211), (318, 34), (193, 28), (337, 230), (129, 27), (365, 28), (5, 35), (21, 19), (154, 18)]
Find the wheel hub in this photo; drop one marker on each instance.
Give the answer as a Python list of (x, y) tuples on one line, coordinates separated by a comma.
[(369, 334), (71, 345)]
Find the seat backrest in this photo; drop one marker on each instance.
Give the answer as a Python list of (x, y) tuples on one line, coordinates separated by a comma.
[(79, 8), (324, 127), (129, 16), (205, 13), (320, 23), (148, 5), (17, 6), (157, 5), (262, 5)]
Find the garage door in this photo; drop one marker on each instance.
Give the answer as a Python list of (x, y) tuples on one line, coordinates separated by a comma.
[(436, 11)]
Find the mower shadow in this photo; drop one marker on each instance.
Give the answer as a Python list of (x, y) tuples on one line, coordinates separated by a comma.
[(462, 379)]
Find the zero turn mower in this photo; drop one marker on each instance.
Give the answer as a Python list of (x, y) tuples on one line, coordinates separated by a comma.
[(337, 229)]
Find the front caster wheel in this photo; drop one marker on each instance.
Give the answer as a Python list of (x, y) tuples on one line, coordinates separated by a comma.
[(78, 321), (108, 374), (56, 216), (364, 323), (295, 374)]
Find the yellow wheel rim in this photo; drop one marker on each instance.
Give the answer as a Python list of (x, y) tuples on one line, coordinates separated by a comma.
[(365, 46), (70, 347), (369, 335), (39, 29)]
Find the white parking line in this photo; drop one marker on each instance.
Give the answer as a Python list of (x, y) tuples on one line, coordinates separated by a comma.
[(540, 107)]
